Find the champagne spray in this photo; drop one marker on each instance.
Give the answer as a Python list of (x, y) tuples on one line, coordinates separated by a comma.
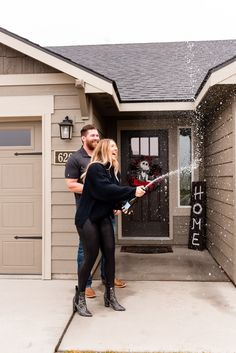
[(127, 207)]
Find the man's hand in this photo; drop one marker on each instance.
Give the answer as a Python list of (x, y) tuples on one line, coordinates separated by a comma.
[(116, 212)]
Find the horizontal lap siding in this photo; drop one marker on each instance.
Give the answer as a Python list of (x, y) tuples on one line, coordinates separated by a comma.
[(180, 230), (219, 176), (64, 235)]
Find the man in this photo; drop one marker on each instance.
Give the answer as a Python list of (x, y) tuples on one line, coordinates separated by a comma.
[(75, 167)]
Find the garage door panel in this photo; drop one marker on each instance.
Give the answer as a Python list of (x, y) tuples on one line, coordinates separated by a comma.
[(20, 175), (20, 256), (21, 204), (21, 215), (17, 176)]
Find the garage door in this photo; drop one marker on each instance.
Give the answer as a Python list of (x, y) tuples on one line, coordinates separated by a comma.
[(20, 198)]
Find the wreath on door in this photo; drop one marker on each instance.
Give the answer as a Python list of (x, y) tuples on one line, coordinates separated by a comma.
[(142, 170)]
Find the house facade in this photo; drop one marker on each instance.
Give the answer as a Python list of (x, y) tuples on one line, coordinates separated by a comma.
[(170, 107)]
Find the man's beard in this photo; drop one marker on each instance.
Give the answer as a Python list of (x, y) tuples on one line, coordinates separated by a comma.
[(91, 144)]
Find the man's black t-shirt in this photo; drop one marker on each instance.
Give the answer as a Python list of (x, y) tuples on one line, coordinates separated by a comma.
[(75, 167)]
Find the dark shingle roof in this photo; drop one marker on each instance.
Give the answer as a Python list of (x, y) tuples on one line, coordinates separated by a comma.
[(153, 71)]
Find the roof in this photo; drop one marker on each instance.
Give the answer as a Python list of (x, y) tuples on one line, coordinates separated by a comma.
[(147, 72), (153, 71)]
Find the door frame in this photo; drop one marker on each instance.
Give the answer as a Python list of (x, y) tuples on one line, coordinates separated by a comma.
[(129, 125), (37, 106), (162, 133)]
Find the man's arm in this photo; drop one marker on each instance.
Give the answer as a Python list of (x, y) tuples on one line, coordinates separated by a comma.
[(74, 186)]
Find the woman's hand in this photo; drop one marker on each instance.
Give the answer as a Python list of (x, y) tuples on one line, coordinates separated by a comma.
[(140, 191), (116, 212)]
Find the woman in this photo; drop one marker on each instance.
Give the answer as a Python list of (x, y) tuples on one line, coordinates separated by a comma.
[(101, 196)]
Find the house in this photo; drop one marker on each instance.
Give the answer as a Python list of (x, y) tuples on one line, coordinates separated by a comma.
[(167, 105)]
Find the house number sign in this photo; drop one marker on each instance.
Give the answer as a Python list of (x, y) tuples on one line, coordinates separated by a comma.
[(197, 235), (61, 157)]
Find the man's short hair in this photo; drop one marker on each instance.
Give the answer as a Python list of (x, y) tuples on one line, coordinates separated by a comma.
[(86, 128)]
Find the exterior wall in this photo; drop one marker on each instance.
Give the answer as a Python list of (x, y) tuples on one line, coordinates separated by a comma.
[(98, 122), (219, 175), (64, 235), (179, 216), (66, 102), (13, 62)]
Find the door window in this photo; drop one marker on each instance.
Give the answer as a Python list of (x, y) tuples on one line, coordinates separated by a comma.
[(144, 146), (144, 164)]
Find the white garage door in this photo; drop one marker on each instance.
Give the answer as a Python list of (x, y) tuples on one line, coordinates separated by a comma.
[(20, 198)]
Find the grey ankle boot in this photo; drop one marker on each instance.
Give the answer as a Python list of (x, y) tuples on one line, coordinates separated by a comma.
[(75, 299), (79, 304), (110, 299)]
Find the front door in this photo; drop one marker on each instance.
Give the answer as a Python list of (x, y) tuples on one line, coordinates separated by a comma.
[(145, 157), (20, 198)]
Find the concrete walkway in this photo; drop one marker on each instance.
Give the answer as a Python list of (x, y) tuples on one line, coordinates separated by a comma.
[(171, 317), (33, 314), (161, 316)]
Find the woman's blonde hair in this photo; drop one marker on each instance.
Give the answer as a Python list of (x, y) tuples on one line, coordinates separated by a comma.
[(102, 154)]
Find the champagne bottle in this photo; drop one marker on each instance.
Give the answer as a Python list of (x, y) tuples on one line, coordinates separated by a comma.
[(127, 207)]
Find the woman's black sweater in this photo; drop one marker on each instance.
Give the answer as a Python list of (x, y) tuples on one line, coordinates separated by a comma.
[(101, 194)]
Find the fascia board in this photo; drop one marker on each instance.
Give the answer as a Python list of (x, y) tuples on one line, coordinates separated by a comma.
[(158, 106), (223, 76), (231, 80)]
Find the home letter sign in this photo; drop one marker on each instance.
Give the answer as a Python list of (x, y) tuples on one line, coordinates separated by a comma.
[(197, 237)]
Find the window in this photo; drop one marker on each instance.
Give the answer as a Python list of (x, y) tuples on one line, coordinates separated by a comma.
[(185, 161), (144, 146), (135, 145), (15, 137)]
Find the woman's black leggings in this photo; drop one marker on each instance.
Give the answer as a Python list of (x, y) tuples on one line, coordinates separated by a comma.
[(95, 235)]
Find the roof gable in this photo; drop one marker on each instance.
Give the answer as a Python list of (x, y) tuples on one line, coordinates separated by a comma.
[(55, 60)]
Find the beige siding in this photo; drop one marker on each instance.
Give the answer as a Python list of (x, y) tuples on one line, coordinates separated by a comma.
[(66, 267), (64, 235), (180, 230), (66, 102), (13, 62), (219, 175)]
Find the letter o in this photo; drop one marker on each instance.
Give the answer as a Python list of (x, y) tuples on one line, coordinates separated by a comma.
[(199, 210)]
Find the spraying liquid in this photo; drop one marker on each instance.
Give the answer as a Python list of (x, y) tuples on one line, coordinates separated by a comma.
[(127, 207)]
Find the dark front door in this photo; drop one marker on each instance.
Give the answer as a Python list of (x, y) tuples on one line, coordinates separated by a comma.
[(144, 157)]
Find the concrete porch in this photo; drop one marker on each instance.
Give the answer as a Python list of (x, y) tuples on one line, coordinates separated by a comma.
[(182, 264)]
